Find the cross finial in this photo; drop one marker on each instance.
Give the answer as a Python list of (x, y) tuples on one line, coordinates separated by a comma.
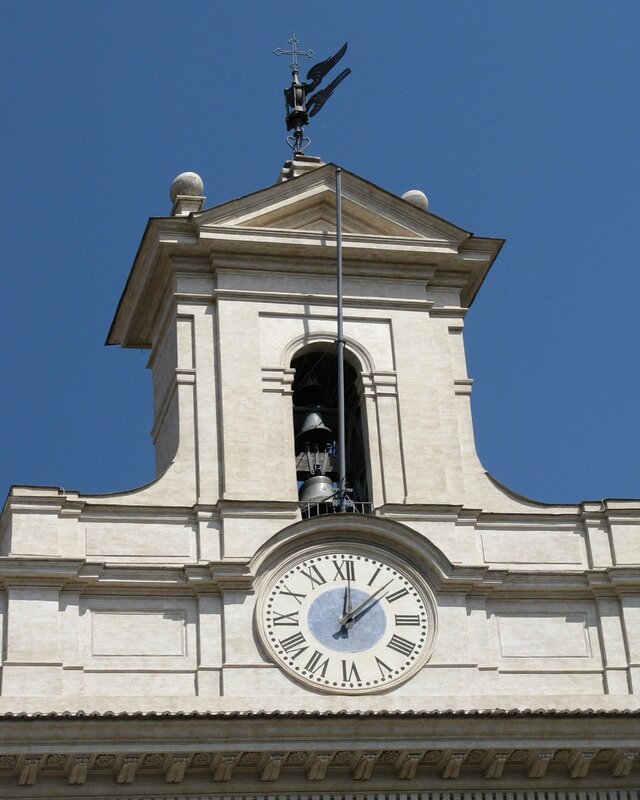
[(298, 105), (294, 52)]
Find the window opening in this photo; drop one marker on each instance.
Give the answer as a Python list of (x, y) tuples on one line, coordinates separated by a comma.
[(315, 420)]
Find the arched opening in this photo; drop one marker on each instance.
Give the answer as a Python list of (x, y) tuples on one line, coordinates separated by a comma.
[(315, 422)]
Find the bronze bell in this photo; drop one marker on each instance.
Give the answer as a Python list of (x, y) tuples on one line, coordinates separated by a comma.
[(310, 392), (318, 489), (314, 431)]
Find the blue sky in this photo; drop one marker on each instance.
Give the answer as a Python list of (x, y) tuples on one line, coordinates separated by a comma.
[(518, 119)]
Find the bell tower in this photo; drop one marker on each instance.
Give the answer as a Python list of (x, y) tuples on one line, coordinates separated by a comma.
[(237, 305)]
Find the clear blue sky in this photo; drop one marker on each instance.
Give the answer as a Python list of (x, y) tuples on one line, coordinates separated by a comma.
[(518, 119)]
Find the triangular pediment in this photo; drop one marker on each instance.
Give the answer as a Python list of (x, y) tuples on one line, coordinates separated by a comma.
[(308, 203), (318, 213), (384, 236)]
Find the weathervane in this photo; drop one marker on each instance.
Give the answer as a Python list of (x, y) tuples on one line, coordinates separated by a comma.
[(299, 107)]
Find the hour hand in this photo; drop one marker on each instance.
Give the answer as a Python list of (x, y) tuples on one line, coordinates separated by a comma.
[(346, 602), (346, 610)]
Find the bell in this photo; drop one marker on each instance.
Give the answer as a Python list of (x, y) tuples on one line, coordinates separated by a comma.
[(318, 489), (314, 430), (310, 392)]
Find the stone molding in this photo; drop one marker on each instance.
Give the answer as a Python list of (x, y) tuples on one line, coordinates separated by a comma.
[(278, 380), (220, 575), (521, 767), (513, 750), (64, 502)]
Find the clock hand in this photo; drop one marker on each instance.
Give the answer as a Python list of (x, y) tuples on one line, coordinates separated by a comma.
[(346, 609), (351, 615), (362, 613)]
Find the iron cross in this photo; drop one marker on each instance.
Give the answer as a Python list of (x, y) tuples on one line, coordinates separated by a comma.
[(294, 52)]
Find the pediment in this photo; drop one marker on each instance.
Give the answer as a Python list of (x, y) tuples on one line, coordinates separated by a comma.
[(320, 215), (383, 235), (308, 203)]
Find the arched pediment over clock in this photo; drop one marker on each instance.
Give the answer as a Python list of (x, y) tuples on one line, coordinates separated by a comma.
[(378, 532)]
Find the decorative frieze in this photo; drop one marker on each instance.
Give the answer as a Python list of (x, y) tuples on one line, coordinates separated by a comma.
[(320, 765)]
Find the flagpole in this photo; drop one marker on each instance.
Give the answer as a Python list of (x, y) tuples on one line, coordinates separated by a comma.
[(342, 461)]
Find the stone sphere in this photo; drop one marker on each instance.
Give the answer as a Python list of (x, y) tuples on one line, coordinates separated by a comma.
[(187, 183), (416, 198)]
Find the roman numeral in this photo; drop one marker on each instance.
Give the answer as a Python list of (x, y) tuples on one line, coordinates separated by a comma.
[(400, 645), (374, 576), (292, 618), (315, 664), (383, 667), (346, 570), (397, 595), (351, 674), (407, 619), (295, 595), (294, 644), (314, 575)]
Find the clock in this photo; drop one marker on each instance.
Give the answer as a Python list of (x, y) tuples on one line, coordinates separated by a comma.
[(347, 619)]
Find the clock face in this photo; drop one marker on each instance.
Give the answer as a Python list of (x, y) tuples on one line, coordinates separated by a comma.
[(347, 620)]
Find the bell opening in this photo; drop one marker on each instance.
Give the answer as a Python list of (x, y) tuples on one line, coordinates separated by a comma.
[(315, 421)]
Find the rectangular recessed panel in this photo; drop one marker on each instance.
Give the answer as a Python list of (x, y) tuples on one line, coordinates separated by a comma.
[(144, 540), (544, 636), (626, 543), (531, 547), (124, 633)]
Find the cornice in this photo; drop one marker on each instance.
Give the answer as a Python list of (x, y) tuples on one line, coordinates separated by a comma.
[(350, 241), (82, 575), (237, 574), (323, 265), (349, 301), (573, 713), (324, 750), (30, 570)]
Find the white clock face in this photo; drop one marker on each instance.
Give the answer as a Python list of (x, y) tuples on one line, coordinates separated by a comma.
[(347, 620)]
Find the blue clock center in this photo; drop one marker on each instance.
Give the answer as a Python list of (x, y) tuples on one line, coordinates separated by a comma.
[(323, 619)]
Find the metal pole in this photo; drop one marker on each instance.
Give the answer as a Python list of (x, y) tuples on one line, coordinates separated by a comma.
[(342, 461)]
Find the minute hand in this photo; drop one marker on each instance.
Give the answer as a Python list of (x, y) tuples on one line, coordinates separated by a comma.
[(350, 615)]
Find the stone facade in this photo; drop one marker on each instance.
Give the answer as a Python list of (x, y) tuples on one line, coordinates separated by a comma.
[(120, 607)]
